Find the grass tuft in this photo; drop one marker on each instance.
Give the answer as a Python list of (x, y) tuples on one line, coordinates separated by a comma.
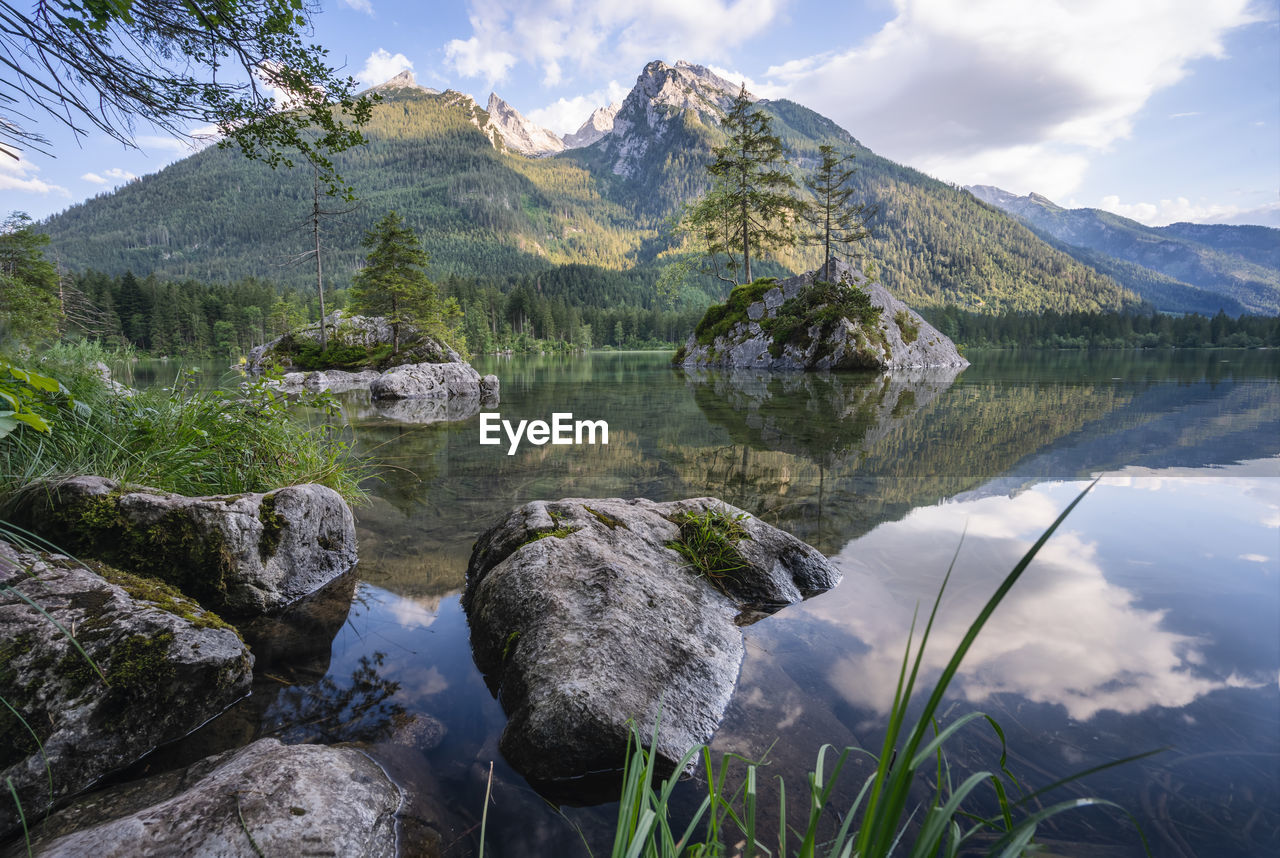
[(708, 541)]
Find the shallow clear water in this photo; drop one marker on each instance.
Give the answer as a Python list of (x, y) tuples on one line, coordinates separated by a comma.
[(1150, 620)]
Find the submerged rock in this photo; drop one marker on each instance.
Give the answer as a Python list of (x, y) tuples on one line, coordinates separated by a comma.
[(793, 325), (236, 554), (434, 381), (264, 799), (168, 666), (583, 617)]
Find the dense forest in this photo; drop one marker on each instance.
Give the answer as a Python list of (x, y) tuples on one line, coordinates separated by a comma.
[(575, 307), (1105, 330), (570, 307)]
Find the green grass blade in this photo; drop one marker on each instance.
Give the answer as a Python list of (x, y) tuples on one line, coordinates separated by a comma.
[(22, 816), (23, 721), (70, 637)]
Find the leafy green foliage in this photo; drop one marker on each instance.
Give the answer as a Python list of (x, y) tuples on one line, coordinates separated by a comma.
[(114, 63), (29, 307), (28, 398), (907, 326)]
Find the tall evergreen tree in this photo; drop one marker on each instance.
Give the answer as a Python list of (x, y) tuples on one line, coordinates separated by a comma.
[(834, 221), (393, 283), (751, 206)]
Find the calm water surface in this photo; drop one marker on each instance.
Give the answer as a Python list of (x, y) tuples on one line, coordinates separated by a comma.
[(1150, 620)]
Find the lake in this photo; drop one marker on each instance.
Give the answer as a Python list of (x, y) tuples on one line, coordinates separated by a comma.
[(1150, 620)]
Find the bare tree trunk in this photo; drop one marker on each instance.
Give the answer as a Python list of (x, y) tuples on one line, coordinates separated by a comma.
[(315, 231), (746, 243)]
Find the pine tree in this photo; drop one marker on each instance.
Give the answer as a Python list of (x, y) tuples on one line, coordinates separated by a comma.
[(835, 223), (393, 283), (751, 205)]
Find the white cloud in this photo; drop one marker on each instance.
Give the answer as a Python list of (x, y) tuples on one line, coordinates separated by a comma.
[(1255, 558), (381, 66), (566, 115), (958, 83), (95, 178), (563, 37), (18, 174), (471, 58), (360, 6), (1181, 209), (120, 175)]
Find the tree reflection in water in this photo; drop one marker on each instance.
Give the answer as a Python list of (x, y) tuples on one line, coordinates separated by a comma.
[(326, 712)]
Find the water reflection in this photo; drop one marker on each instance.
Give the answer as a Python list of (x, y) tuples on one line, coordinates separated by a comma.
[(1154, 620), (1065, 635)]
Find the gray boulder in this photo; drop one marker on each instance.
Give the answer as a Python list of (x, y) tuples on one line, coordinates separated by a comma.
[(334, 380), (434, 381), (264, 799), (583, 617), (236, 554), (756, 338), (168, 666)]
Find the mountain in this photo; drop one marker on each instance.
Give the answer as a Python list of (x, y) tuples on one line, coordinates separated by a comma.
[(1183, 267), (520, 134), (598, 124), (452, 170), (403, 80)]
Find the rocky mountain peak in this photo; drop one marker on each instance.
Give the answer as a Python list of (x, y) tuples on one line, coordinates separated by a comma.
[(663, 93), (520, 134), (598, 124), (403, 80)]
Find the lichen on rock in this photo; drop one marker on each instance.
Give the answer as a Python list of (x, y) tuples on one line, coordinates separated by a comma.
[(236, 554), (157, 667)]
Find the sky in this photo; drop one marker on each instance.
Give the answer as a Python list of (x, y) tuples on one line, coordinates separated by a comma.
[(1159, 110)]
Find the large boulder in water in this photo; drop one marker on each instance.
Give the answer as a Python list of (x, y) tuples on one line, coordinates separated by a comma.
[(264, 799), (456, 380), (830, 319), (166, 666), (584, 615), (236, 554)]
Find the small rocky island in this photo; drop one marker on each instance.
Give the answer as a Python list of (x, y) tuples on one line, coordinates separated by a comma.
[(368, 352), (833, 318)]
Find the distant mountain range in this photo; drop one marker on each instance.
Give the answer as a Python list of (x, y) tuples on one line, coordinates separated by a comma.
[(494, 195), (1183, 267)]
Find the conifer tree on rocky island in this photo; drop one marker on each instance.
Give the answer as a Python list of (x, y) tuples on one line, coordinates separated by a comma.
[(393, 283), (835, 223), (751, 207)]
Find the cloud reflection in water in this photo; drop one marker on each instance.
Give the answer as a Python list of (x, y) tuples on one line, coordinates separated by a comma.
[(1066, 634)]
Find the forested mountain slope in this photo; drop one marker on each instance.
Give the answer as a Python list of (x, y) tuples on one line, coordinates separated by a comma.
[(1182, 267), (483, 211)]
